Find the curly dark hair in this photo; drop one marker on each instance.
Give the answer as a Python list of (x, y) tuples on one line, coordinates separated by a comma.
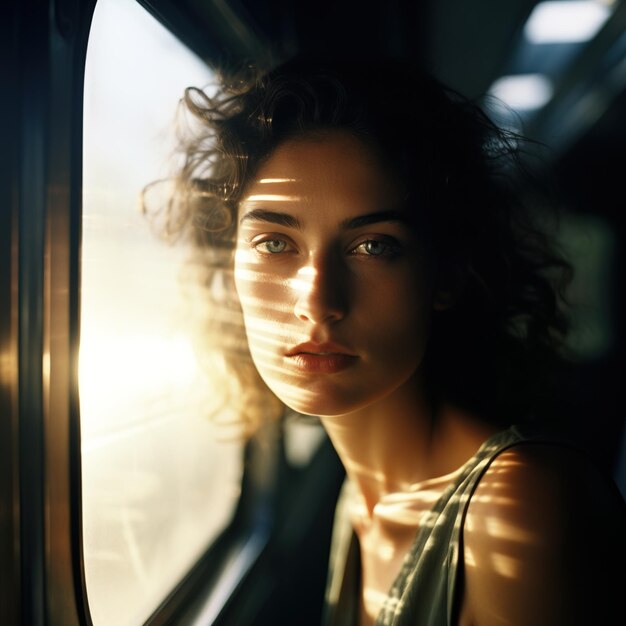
[(493, 349)]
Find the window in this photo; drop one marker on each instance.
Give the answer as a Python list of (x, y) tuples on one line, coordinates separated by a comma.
[(159, 483), (589, 243)]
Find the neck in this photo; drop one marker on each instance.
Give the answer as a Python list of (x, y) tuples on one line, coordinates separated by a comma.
[(398, 442)]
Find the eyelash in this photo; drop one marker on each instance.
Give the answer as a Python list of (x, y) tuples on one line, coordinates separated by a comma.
[(391, 247)]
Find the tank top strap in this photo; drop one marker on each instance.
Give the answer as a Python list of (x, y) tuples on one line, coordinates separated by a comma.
[(424, 591)]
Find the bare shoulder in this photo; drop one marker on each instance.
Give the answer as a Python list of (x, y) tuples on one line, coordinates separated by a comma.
[(542, 531), (543, 473)]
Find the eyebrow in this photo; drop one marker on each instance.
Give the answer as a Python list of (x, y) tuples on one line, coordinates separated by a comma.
[(284, 219), (375, 218), (274, 217)]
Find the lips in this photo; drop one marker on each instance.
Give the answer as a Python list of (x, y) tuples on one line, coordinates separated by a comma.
[(327, 347), (323, 358)]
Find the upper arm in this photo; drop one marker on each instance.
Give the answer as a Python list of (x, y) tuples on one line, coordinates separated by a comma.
[(541, 532)]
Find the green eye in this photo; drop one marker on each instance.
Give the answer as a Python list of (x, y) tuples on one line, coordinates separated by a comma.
[(373, 247), (271, 246)]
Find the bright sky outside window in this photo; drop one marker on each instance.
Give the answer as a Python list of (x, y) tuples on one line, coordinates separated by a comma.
[(158, 484)]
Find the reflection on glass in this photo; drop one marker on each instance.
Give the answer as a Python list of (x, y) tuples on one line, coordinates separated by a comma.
[(158, 484)]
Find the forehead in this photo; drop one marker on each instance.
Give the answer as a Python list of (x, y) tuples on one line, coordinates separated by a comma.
[(331, 163)]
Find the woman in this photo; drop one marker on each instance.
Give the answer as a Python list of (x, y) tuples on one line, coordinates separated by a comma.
[(392, 282)]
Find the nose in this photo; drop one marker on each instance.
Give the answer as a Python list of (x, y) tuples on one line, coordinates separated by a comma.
[(321, 293)]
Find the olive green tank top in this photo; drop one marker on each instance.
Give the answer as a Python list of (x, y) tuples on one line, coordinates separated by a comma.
[(424, 592)]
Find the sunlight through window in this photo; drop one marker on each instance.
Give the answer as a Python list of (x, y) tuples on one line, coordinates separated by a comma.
[(158, 484)]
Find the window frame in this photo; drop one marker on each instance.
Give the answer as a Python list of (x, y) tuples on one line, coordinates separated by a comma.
[(43, 573)]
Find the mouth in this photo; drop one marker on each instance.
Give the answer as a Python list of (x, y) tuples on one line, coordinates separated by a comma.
[(319, 349), (325, 358)]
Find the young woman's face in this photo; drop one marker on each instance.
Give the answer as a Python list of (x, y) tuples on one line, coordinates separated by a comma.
[(333, 279)]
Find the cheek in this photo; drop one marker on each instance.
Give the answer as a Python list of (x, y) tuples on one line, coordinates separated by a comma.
[(398, 313), (398, 343), (260, 295), (397, 340), (264, 300)]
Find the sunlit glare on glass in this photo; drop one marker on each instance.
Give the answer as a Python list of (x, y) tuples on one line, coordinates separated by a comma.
[(265, 181), (566, 22), (131, 364), (523, 91), (272, 197)]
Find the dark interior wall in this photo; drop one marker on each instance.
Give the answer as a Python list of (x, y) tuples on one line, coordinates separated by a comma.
[(591, 177)]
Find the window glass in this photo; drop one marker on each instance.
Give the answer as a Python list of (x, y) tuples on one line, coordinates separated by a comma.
[(589, 244), (159, 482), (302, 438)]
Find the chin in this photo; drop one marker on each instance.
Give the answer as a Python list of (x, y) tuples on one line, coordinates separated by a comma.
[(308, 402), (321, 403)]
